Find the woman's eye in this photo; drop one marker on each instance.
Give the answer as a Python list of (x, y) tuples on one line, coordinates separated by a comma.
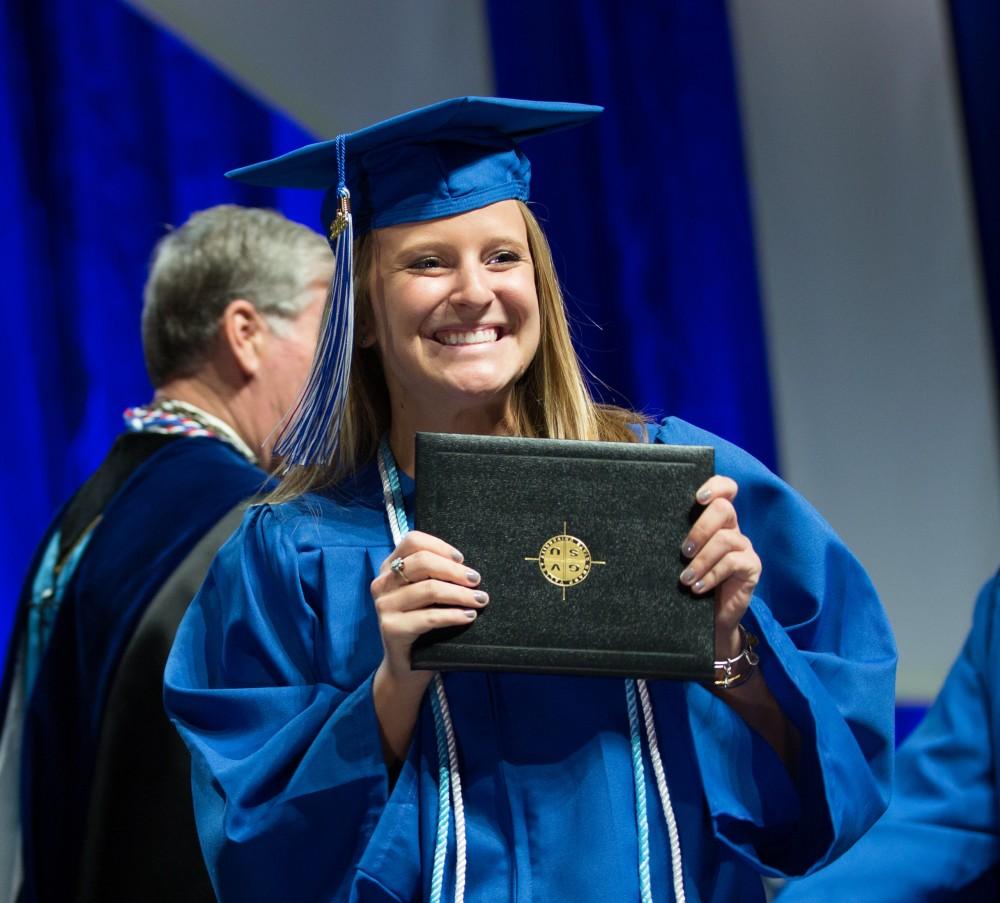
[(505, 257), (427, 263)]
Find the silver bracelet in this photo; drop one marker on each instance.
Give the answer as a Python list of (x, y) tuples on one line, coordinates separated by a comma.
[(732, 672)]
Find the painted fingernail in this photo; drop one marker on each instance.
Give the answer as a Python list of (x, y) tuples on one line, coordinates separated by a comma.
[(457, 556), (688, 549), (472, 577), (687, 576), (703, 494), (470, 613), (699, 586), (481, 597)]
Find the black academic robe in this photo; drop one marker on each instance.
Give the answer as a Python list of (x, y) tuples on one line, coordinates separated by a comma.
[(105, 788)]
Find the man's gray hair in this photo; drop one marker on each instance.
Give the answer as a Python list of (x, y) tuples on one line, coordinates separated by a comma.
[(219, 255)]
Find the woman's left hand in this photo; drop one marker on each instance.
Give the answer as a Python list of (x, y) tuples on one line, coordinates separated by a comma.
[(723, 560)]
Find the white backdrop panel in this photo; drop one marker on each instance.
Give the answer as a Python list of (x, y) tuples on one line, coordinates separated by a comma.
[(881, 363), (336, 65)]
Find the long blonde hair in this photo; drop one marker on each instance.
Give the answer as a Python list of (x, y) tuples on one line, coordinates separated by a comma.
[(550, 400)]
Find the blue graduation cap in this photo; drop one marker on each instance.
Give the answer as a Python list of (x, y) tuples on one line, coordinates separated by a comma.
[(447, 158), (436, 161)]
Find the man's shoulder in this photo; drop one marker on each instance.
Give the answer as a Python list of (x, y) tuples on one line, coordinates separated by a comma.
[(207, 468)]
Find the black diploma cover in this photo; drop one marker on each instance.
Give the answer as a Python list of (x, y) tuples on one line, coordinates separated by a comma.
[(578, 544)]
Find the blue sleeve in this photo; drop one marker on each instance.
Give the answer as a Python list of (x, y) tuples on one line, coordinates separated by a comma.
[(280, 742), (829, 658), (940, 837)]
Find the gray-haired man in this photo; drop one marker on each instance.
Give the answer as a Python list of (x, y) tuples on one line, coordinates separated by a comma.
[(94, 783)]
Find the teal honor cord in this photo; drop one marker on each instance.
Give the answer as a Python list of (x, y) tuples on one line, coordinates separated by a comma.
[(449, 780)]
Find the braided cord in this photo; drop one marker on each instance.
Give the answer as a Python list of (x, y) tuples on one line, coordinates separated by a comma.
[(455, 780), (661, 786), (444, 807), (449, 780), (391, 491), (639, 779), (341, 154)]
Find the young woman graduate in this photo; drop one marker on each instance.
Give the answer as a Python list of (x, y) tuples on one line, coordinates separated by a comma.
[(325, 769)]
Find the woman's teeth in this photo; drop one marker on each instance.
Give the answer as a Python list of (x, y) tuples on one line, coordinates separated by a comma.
[(476, 337)]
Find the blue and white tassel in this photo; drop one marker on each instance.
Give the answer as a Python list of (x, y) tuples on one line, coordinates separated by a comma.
[(311, 433)]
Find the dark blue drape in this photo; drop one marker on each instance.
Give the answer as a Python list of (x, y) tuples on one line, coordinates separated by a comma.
[(111, 129), (648, 212), (976, 29)]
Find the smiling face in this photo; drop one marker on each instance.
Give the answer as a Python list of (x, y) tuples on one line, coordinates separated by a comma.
[(455, 315)]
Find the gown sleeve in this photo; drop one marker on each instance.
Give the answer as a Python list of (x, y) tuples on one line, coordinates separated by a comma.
[(829, 658), (278, 740), (940, 838)]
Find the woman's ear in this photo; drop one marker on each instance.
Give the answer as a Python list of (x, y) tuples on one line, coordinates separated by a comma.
[(243, 331), (364, 331)]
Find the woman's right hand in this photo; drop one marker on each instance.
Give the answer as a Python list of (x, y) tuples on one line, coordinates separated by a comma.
[(435, 589)]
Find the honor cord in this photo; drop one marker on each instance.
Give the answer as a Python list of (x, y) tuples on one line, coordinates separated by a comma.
[(661, 786), (449, 780), (639, 779)]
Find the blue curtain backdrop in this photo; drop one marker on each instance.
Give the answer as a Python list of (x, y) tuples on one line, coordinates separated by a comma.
[(648, 212), (976, 29), (111, 130)]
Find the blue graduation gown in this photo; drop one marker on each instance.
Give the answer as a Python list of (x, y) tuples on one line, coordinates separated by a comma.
[(269, 683), (940, 837), (167, 504)]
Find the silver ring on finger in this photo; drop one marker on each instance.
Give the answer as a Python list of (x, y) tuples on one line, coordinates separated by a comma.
[(398, 567)]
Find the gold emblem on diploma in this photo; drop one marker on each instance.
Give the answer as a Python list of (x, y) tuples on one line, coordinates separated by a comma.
[(564, 560)]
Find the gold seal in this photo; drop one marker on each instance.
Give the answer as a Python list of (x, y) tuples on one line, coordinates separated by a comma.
[(564, 560)]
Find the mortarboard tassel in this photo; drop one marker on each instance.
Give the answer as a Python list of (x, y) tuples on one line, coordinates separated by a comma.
[(312, 431)]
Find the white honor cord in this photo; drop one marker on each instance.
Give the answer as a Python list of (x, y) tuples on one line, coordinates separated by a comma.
[(397, 531), (664, 791), (456, 791), (398, 526)]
